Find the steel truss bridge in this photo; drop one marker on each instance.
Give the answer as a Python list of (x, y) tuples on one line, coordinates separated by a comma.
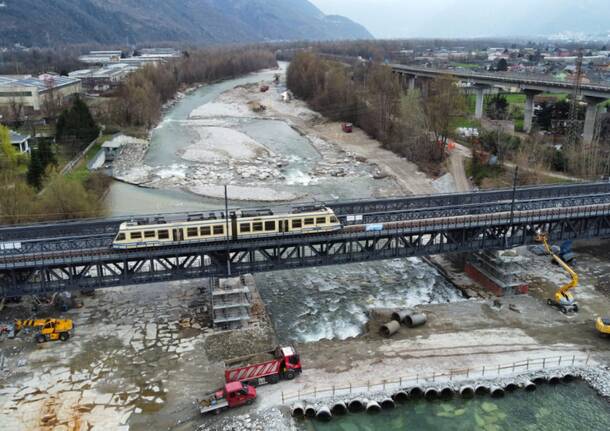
[(53, 257)]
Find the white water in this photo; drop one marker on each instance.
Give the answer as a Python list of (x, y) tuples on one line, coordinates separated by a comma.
[(332, 302)]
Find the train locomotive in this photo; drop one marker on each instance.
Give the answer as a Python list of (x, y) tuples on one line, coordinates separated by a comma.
[(212, 227)]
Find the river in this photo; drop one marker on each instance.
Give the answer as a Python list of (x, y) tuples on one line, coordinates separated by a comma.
[(306, 305), (573, 406)]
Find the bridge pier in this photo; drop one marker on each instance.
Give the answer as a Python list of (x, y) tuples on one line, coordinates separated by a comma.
[(480, 103), (528, 117), (591, 118), (411, 82)]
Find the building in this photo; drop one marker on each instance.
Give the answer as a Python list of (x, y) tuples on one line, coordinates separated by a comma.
[(103, 79), (141, 57), (31, 91), (20, 142)]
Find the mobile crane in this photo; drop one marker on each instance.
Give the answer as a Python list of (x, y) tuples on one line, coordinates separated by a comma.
[(563, 298)]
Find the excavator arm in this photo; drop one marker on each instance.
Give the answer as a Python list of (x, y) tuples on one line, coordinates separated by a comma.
[(563, 290)]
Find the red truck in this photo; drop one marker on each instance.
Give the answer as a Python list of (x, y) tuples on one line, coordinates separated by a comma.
[(347, 127), (282, 363), (232, 395)]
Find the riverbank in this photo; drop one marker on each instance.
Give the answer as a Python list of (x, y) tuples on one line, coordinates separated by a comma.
[(269, 150)]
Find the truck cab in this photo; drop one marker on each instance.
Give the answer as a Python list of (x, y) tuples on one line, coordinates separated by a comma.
[(291, 362), (233, 394)]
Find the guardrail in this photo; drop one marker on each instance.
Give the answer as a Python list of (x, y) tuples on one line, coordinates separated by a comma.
[(486, 372)]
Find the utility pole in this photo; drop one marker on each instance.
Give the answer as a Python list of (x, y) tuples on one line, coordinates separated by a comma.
[(227, 231), (573, 123), (512, 205)]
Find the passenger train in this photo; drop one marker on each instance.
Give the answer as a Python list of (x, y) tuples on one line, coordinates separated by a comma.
[(211, 227)]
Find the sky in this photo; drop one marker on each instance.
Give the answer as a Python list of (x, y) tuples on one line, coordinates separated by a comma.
[(473, 18)]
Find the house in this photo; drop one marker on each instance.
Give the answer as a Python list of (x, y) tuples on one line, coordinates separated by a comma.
[(20, 142)]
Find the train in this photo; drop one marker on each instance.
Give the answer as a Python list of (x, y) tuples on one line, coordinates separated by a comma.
[(241, 224)]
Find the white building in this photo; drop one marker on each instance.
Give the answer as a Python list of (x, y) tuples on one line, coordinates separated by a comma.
[(20, 142), (31, 91)]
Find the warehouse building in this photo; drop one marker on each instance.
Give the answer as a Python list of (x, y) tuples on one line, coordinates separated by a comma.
[(30, 91)]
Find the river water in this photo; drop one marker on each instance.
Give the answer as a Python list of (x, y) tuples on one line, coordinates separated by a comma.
[(309, 304), (573, 406)]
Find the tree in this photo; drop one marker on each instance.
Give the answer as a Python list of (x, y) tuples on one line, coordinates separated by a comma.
[(497, 107), (8, 153), (35, 172), (46, 154), (17, 199), (502, 65), (76, 126), (444, 102)]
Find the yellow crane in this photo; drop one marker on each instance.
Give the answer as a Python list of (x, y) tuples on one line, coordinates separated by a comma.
[(563, 298), (48, 329)]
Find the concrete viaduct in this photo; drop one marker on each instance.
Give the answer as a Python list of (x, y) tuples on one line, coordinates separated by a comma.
[(593, 94)]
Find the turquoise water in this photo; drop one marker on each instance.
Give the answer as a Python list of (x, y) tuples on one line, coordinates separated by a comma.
[(573, 406)]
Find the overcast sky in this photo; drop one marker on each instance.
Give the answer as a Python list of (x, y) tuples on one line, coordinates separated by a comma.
[(472, 18)]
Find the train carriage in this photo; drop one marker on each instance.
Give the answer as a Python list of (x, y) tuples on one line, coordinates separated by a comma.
[(242, 224)]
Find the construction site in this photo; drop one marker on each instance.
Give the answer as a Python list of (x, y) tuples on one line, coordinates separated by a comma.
[(295, 345)]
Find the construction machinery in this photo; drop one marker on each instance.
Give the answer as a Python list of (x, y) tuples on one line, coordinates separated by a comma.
[(563, 298), (282, 363), (602, 324), (232, 395), (47, 329)]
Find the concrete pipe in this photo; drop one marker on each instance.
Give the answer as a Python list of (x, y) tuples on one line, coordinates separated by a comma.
[(390, 328), (339, 408), (416, 392), (511, 387), (400, 397), (298, 410), (481, 390), (554, 380), (539, 380), (529, 386), (496, 392), (356, 405), (414, 320), (568, 378), (431, 393), (387, 403), (310, 411), (467, 392), (373, 406), (400, 315), (446, 393), (324, 414)]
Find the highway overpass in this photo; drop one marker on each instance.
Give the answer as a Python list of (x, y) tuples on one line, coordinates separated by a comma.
[(593, 94)]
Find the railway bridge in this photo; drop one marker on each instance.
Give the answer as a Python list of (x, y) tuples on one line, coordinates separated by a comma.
[(78, 255)]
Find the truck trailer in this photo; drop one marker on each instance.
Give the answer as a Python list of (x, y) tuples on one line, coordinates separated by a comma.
[(281, 363)]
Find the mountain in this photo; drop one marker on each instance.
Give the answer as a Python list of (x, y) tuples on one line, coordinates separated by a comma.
[(44, 23)]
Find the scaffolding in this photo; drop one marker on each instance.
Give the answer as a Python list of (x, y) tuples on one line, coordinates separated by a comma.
[(231, 302)]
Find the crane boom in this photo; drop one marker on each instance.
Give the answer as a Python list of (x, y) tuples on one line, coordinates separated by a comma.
[(573, 275)]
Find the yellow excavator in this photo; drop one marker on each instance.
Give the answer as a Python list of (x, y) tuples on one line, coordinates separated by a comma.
[(602, 324), (563, 298), (47, 329)]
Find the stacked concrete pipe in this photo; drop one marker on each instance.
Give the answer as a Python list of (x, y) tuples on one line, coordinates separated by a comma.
[(401, 397), (339, 408), (390, 328), (415, 320), (310, 411), (324, 414), (356, 405), (467, 391), (298, 410), (387, 403), (496, 392), (373, 406), (529, 386)]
